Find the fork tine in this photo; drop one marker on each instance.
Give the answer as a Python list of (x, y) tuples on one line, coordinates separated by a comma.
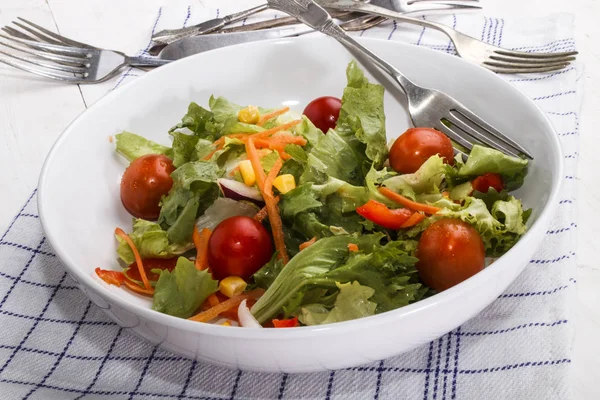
[(481, 137), (513, 70), (16, 33), (61, 38), (48, 56), (42, 72), (446, 6), (455, 136), (47, 46), (533, 61), (440, 1), (525, 66), (40, 36), (490, 130), (57, 67), (523, 54)]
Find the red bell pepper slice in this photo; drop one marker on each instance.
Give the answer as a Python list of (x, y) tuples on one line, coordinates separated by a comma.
[(286, 323), (111, 277), (384, 216)]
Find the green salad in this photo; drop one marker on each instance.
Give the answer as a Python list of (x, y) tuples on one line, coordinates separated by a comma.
[(268, 217)]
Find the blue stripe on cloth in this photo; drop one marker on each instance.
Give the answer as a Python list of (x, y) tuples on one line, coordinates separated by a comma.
[(62, 354), (330, 385), (188, 15), (515, 328), (501, 31), (380, 370), (437, 366), (55, 320), (188, 379), (236, 383), (455, 370), (38, 284), (447, 363), (143, 374), (284, 378), (552, 96), (428, 369), (20, 246), (33, 326)]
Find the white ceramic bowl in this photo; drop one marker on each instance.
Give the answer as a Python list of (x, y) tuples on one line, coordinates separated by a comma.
[(80, 207)]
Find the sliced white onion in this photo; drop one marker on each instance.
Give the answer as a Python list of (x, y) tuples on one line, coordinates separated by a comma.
[(239, 191), (224, 208), (246, 318)]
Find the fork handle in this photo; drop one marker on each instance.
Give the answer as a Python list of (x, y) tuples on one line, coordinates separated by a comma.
[(146, 61), (359, 6)]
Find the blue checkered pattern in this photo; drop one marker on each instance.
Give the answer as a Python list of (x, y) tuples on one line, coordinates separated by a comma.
[(56, 344)]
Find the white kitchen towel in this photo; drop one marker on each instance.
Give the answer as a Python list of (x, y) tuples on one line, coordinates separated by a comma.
[(55, 344)]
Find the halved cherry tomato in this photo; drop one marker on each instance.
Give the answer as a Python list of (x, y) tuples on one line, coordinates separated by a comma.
[(133, 272), (144, 182), (286, 323), (323, 112), (111, 277), (415, 146), (449, 252), (484, 182), (239, 246), (384, 216)]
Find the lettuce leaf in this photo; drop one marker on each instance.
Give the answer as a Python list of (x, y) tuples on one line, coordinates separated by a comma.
[(362, 114), (483, 160), (132, 146), (180, 292), (184, 148), (352, 302), (195, 120), (426, 180), (151, 241)]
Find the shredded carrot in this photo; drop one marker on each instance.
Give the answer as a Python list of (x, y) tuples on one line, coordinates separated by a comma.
[(266, 133), (271, 115), (408, 203), (352, 247), (111, 277), (138, 289), (272, 175), (138, 259), (213, 300), (413, 220), (270, 203), (224, 306), (262, 214), (252, 154), (307, 243), (200, 240)]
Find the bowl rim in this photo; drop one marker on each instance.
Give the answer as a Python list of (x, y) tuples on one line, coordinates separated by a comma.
[(305, 331)]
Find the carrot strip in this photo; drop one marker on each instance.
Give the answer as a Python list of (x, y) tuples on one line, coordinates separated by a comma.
[(200, 240), (213, 300), (226, 305), (252, 154), (408, 203), (138, 259), (111, 277), (307, 243), (352, 247), (272, 175), (138, 289), (266, 133), (413, 220), (262, 214), (271, 115)]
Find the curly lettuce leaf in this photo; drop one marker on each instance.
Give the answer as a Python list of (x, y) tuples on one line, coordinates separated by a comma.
[(184, 148), (195, 120), (132, 146), (362, 114), (150, 240), (180, 292), (483, 160), (352, 302), (426, 180)]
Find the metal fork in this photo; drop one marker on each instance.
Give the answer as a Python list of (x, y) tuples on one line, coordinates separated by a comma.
[(491, 57), (54, 56), (427, 107)]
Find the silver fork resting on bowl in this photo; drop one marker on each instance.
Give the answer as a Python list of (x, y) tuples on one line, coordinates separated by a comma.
[(491, 57), (427, 107), (64, 59)]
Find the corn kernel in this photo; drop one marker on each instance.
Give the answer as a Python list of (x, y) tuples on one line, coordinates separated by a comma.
[(226, 323), (232, 285), (285, 183), (247, 172), (249, 115)]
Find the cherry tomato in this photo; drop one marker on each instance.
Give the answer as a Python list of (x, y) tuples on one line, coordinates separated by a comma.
[(144, 182), (449, 252), (484, 182), (323, 112), (238, 246), (133, 272), (416, 145)]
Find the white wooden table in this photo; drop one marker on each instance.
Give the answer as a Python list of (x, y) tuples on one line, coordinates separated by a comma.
[(33, 113)]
